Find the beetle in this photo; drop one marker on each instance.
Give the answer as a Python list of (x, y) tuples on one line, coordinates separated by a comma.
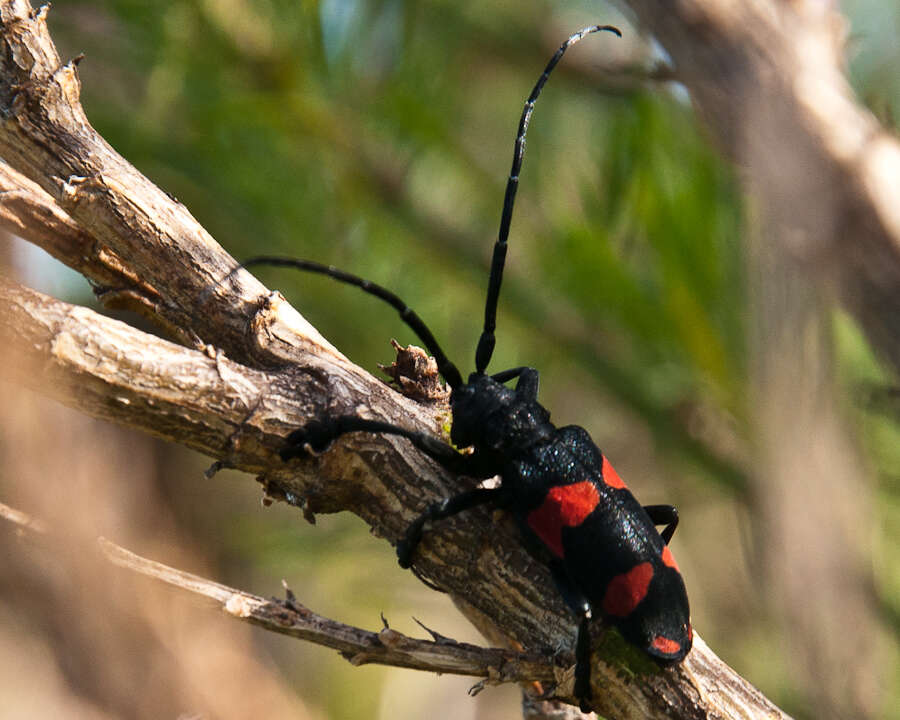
[(574, 512)]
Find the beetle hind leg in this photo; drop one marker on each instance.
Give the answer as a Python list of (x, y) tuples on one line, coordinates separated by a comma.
[(580, 605), (583, 662)]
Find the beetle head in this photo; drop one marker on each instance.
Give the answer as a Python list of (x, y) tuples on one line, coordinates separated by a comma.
[(478, 406)]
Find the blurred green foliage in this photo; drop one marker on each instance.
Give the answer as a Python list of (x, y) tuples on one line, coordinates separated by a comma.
[(376, 135)]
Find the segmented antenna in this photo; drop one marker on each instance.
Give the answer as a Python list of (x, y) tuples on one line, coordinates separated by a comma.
[(407, 314), (487, 340)]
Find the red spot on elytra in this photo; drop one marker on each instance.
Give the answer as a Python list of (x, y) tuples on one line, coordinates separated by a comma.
[(625, 592), (665, 645), (668, 559), (564, 506), (610, 476)]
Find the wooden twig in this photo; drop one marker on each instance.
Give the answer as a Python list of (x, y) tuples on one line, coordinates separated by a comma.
[(358, 646), (255, 368)]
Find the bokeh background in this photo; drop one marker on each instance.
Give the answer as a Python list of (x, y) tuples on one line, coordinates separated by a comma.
[(376, 135)]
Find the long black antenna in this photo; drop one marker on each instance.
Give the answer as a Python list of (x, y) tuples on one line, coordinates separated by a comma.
[(487, 340), (418, 326)]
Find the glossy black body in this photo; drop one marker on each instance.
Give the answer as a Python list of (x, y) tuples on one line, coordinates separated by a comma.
[(513, 437)]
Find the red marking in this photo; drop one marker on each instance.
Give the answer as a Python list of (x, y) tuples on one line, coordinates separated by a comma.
[(665, 646), (625, 592), (610, 476), (564, 506), (668, 559)]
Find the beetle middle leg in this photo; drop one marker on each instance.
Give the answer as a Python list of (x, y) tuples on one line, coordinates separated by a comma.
[(664, 515), (444, 509)]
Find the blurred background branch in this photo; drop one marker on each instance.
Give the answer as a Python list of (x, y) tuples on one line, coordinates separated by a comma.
[(768, 80)]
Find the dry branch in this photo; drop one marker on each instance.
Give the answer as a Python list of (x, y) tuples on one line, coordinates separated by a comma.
[(289, 617), (256, 368)]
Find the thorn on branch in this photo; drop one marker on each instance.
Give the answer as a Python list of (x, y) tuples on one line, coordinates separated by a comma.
[(436, 636), (273, 491), (290, 601), (425, 581)]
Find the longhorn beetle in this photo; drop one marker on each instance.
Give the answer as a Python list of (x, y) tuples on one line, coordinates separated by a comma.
[(575, 513)]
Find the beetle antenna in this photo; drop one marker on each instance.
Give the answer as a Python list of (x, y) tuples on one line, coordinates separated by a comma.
[(413, 321), (487, 340)]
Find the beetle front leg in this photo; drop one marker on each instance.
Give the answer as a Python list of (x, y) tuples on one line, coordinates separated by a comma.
[(316, 436), (527, 387)]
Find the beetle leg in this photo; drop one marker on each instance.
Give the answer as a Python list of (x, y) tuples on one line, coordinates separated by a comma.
[(527, 387), (507, 375), (444, 509), (664, 515), (583, 663), (319, 434), (580, 605)]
